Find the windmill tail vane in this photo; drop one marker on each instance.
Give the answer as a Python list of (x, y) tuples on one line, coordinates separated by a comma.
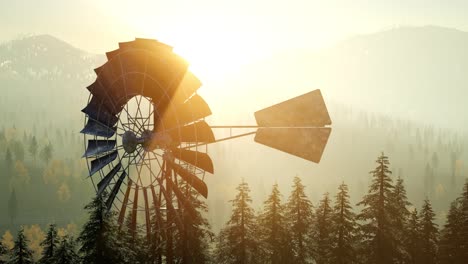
[(145, 132)]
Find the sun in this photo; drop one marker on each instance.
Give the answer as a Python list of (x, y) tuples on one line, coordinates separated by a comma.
[(213, 51)]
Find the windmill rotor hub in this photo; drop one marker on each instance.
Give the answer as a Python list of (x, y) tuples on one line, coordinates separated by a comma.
[(130, 141), (155, 140), (149, 140)]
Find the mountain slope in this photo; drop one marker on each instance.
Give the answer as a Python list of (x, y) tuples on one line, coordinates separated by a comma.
[(412, 72)]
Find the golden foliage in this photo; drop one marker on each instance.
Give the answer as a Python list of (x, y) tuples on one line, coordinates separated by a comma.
[(21, 176), (63, 193), (7, 240), (55, 172), (35, 235)]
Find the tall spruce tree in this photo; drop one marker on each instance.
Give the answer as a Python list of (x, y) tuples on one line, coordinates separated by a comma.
[(464, 220), (238, 242), (192, 245), (130, 236), (12, 206), (344, 228), (33, 147), (451, 241), (157, 243), (412, 239), (300, 217), (323, 231), (21, 253), (274, 233), (8, 163), (66, 252), (400, 219), (49, 245), (377, 228), (429, 234), (98, 238)]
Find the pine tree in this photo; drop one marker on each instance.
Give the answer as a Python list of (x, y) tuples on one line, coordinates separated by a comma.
[(33, 147), (21, 254), (98, 237), (344, 228), (451, 242), (66, 252), (429, 234), (192, 245), (49, 245), (464, 221), (412, 238), (46, 153), (3, 253), (299, 218), (400, 219), (8, 162), (157, 244), (323, 231), (133, 241), (274, 235), (377, 229), (238, 241), (18, 150), (12, 206)]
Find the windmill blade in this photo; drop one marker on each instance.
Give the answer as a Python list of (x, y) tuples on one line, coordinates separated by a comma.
[(147, 215), (102, 185), (157, 206), (115, 190), (97, 147), (97, 111), (99, 163), (142, 43), (192, 110), (308, 110), (157, 69), (190, 178), (187, 86), (124, 204), (196, 158), (196, 132), (171, 209), (182, 199), (95, 128), (307, 143), (134, 210)]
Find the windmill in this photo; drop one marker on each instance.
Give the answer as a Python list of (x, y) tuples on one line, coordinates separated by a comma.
[(145, 131)]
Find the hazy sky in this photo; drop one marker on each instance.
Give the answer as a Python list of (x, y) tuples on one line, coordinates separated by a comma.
[(216, 36), (255, 26)]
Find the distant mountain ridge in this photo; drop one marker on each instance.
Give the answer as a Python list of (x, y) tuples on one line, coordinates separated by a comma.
[(45, 57), (420, 73)]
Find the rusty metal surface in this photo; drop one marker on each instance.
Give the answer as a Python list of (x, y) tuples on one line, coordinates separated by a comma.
[(307, 143), (308, 110)]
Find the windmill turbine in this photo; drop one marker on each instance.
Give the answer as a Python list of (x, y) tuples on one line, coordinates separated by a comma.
[(145, 131)]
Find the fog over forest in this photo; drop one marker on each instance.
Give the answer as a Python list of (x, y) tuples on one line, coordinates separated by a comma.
[(401, 92)]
